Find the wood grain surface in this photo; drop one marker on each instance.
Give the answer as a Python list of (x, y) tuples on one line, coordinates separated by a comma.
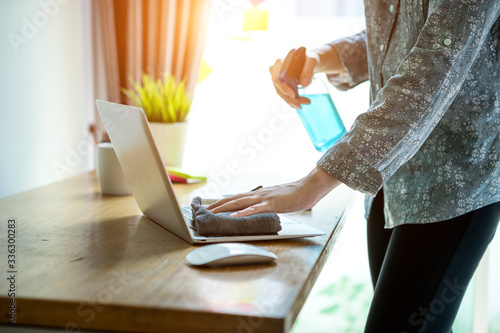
[(89, 261)]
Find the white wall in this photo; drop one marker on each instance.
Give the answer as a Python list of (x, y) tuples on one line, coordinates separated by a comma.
[(45, 92)]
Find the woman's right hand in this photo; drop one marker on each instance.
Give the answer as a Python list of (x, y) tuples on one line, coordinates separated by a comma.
[(285, 92), (324, 59)]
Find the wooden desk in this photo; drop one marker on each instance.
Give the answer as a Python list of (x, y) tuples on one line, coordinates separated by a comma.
[(87, 261)]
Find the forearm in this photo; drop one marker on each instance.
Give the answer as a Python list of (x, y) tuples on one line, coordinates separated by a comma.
[(350, 55), (329, 61), (317, 184)]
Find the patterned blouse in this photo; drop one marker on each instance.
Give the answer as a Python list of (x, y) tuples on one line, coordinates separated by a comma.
[(431, 134)]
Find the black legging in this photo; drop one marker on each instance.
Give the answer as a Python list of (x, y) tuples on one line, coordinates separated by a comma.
[(420, 271)]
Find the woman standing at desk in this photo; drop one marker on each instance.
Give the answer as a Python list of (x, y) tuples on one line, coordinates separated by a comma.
[(430, 138)]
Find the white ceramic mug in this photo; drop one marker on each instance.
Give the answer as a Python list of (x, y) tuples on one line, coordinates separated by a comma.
[(109, 171)]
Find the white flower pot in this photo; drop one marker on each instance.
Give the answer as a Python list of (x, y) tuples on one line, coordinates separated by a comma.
[(170, 138)]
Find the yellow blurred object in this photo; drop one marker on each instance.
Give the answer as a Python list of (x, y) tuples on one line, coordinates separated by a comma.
[(205, 70), (255, 19)]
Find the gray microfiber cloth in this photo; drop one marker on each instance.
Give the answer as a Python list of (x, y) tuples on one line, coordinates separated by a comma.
[(221, 224)]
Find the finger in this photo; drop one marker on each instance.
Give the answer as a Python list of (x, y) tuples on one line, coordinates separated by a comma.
[(284, 89), (308, 71), (293, 102), (289, 57), (276, 66), (275, 69), (281, 89), (236, 205), (305, 100), (225, 200), (252, 210)]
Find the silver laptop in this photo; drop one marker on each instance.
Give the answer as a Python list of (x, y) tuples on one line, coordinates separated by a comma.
[(142, 165)]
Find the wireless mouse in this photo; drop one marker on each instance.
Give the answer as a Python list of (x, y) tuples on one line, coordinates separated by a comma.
[(228, 254)]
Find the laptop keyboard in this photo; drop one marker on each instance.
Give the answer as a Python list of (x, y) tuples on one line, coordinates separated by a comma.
[(187, 212), (188, 217)]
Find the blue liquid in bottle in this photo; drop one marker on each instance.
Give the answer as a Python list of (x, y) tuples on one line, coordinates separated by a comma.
[(321, 120)]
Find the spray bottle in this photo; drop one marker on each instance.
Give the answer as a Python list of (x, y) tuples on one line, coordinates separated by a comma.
[(320, 118)]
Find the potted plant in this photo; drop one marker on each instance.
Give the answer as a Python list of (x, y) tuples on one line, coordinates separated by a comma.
[(166, 104)]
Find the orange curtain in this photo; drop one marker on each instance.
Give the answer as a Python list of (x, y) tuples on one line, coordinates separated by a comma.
[(153, 36)]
